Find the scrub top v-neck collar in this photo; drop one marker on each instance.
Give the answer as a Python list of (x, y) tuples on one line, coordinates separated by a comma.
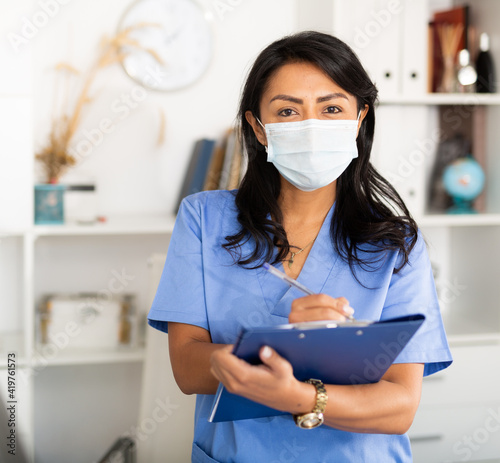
[(320, 262)]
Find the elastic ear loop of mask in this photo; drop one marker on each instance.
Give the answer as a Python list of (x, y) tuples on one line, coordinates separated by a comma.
[(262, 125)]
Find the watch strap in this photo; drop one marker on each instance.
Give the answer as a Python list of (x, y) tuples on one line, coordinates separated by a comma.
[(314, 418), (321, 395)]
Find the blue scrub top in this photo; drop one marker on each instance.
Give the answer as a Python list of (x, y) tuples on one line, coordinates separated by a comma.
[(202, 286)]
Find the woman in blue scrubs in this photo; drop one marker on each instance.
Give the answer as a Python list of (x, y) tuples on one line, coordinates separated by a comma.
[(312, 204)]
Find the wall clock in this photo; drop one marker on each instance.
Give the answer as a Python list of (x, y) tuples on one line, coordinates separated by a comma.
[(179, 32)]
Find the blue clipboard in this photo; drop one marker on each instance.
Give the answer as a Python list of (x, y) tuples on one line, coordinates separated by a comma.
[(336, 353)]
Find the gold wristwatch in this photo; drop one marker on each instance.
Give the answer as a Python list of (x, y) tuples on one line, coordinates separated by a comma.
[(315, 418)]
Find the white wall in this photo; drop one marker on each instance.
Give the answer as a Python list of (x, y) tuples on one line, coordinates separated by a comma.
[(16, 133), (133, 174)]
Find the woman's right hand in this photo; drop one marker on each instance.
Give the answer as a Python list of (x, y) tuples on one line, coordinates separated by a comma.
[(319, 307)]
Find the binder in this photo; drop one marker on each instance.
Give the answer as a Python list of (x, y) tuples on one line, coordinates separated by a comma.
[(346, 353), (414, 33)]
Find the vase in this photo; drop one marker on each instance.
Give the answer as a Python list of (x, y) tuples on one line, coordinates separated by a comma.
[(49, 204)]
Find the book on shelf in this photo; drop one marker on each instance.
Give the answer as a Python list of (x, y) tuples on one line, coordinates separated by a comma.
[(230, 145), (244, 162), (196, 173), (215, 165), (236, 161), (212, 178)]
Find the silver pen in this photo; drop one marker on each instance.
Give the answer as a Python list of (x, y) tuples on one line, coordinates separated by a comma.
[(283, 276)]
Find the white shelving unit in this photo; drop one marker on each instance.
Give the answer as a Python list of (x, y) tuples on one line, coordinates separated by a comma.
[(137, 227), (140, 235), (86, 259), (391, 39), (46, 259), (25, 242)]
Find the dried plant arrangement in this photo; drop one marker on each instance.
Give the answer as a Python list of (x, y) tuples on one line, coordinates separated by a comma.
[(55, 156), (449, 39)]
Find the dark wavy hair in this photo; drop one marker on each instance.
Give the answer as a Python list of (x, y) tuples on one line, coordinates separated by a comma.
[(369, 215)]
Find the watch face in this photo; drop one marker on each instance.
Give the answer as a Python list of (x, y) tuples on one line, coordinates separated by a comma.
[(172, 43), (311, 420)]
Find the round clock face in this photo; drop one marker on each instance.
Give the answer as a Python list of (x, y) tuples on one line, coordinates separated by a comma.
[(173, 43)]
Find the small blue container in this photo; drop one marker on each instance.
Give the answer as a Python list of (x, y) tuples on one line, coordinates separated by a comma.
[(49, 204)]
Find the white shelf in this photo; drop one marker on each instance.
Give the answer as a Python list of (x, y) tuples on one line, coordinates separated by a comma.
[(13, 342), (118, 225), (12, 233), (458, 220), (89, 356), (125, 225), (443, 99)]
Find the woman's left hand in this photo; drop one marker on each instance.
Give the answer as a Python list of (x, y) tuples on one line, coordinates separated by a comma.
[(271, 383)]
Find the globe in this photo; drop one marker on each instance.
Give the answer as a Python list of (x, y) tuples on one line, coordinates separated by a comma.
[(463, 180)]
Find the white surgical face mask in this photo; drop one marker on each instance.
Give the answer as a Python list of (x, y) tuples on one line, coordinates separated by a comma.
[(313, 153)]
